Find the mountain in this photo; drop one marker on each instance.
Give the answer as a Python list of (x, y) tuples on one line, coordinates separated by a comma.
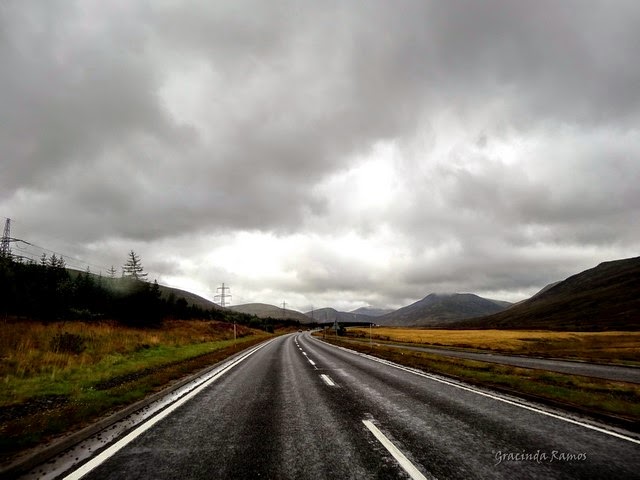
[(372, 312), (263, 310), (323, 315), (606, 297), (439, 309)]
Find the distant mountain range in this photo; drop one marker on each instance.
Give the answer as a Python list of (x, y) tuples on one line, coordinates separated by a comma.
[(372, 312), (439, 309), (606, 297), (323, 315)]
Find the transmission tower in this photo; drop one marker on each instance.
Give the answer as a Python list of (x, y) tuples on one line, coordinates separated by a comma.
[(284, 309), (5, 245), (221, 298)]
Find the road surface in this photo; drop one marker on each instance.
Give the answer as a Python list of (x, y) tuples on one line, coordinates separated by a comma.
[(297, 408)]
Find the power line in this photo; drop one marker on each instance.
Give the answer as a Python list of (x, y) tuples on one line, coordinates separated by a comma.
[(30, 252), (70, 260), (23, 247)]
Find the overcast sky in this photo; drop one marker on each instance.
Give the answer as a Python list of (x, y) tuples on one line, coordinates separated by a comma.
[(326, 153)]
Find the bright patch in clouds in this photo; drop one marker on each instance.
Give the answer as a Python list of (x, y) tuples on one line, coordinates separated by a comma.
[(373, 180), (184, 89)]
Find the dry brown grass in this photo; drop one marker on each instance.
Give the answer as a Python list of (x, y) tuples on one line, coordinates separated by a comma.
[(57, 377), (621, 347), (26, 347)]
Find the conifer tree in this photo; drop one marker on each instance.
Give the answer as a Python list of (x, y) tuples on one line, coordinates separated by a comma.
[(133, 268), (112, 272)]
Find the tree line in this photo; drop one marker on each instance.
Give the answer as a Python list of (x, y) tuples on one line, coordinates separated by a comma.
[(48, 291)]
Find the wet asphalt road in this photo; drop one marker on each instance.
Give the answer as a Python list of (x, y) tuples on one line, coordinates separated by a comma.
[(299, 408)]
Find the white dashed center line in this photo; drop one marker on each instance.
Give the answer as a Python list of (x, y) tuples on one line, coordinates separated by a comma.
[(327, 380)]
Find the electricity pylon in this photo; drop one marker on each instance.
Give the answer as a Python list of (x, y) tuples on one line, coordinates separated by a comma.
[(5, 244), (221, 298)]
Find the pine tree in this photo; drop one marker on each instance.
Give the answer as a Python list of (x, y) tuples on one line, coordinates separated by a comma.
[(133, 268), (57, 262), (53, 261), (112, 272)]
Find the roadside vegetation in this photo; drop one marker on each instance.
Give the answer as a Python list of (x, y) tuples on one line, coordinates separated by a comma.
[(59, 376), (75, 346), (607, 347), (613, 401)]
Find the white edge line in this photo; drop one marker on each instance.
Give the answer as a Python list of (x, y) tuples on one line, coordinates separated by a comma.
[(489, 395), (327, 380), (404, 462), (113, 449)]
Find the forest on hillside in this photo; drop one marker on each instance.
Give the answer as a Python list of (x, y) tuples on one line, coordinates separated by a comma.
[(48, 291)]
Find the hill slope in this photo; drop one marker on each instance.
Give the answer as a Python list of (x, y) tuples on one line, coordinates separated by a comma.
[(606, 297), (263, 310), (438, 309), (165, 291), (191, 298)]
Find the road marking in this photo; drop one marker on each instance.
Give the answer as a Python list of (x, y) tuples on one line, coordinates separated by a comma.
[(304, 354), (311, 362), (113, 449), (492, 396), (327, 380), (404, 462)]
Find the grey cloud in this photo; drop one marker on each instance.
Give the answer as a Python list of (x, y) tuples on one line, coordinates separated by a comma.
[(69, 91), (565, 62), (300, 89)]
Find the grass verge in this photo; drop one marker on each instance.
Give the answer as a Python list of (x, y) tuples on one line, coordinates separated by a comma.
[(57, 378), (613, 401)]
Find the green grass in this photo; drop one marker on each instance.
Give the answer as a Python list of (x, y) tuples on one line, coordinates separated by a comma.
[(78, 380)]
